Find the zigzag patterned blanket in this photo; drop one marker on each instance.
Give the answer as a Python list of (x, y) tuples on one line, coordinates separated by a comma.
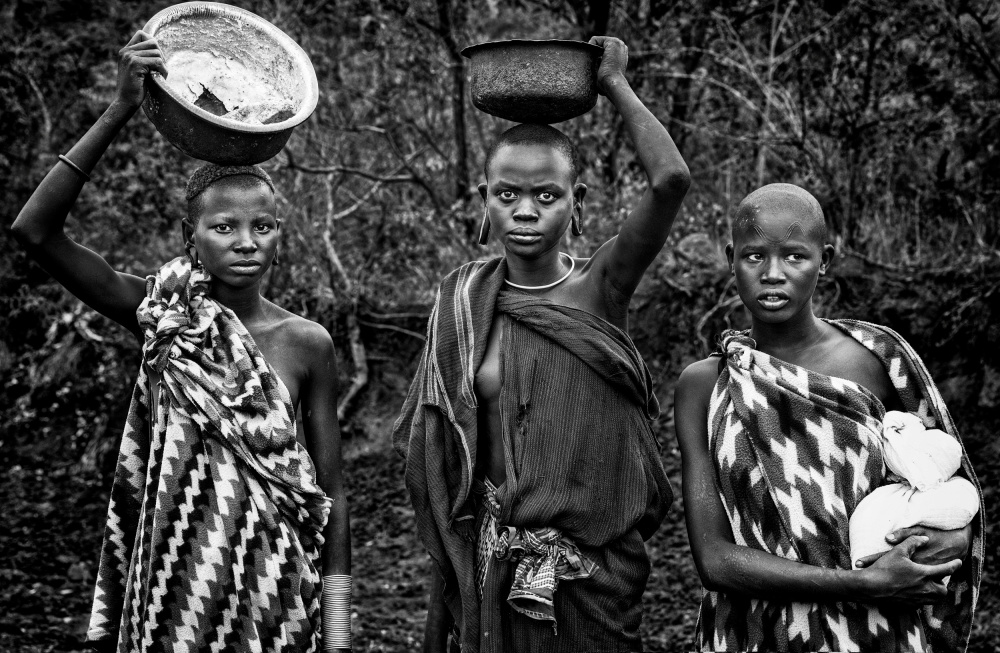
[(214, 523), (795, 452)]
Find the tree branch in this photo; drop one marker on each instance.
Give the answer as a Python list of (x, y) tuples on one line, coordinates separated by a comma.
[(292, 164)]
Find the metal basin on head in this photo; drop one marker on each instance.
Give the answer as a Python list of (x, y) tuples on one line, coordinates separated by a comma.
[(236, 85), (543, 81)]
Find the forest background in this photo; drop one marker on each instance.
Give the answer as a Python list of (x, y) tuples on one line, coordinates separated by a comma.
[(889, 112)]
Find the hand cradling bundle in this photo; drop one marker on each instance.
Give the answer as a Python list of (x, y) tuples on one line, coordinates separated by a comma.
[(928, 494)]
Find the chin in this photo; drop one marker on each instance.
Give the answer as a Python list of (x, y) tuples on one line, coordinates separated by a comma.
[(771, 317), (530, 250), (785, 314), (239, 280)]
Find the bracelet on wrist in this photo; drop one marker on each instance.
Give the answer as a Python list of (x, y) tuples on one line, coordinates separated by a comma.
[(75, 168)]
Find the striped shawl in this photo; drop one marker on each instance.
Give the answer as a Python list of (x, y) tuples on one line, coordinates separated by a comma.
[(214, 525)]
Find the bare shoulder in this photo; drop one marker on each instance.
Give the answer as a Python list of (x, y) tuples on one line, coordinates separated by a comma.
[(698, 379), (593, 290), (309, 339), (596, 269), (847, 358), (692, 398)]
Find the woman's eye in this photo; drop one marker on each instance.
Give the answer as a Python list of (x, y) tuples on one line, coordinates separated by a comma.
[(796, 258), (755, 258)]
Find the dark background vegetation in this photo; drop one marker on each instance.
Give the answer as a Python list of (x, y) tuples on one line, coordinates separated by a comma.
[(888, 111)]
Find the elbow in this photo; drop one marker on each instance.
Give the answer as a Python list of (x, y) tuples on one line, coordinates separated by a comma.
[(711, 576), (25, 236), (716, 574), (674, 182)]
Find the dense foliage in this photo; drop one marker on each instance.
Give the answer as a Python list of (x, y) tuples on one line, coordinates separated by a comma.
[(888, 111)]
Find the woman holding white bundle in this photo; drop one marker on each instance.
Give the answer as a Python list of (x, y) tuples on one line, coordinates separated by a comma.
[(781, 437)]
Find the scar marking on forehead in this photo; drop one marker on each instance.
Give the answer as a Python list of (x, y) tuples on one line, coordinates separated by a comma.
[(775, 241)]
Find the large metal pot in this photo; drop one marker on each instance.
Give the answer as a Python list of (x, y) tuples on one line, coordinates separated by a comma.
[(259, 50), (534, 81)]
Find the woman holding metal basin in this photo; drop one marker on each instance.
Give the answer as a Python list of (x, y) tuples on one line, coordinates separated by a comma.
[(530, 461), (223, 532)]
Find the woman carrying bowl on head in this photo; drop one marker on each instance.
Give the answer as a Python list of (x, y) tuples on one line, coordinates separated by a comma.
[(221, 532), (530, 460)]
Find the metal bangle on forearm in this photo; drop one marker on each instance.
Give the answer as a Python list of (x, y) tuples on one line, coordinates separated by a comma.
[(75, 168), (336, 612)]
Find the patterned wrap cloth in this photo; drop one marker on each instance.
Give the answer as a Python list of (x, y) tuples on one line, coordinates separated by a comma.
[(215, 520), (544, 556), (795, 452), (584, 485)]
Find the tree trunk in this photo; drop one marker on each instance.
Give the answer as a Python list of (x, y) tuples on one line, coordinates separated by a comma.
[(448, 18)]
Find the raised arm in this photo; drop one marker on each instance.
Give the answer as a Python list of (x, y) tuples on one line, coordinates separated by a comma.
[(728, 567), (322, 434), (646, 228), (39, 226)]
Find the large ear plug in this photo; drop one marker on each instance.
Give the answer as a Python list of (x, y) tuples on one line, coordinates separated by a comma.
[(484, 229), (576, 222)]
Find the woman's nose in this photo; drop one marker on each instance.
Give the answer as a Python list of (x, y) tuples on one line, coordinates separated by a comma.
[(246, 243), (525, 211), (772, 272)]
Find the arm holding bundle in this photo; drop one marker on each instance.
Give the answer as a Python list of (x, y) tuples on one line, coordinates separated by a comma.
[(728, 567)]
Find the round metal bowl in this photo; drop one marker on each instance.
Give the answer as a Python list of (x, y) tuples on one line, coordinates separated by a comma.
[(534, 81), (229, 55)]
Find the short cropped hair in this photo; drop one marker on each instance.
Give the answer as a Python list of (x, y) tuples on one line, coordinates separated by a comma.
[(210, 173), (533, 134), (783, 197)]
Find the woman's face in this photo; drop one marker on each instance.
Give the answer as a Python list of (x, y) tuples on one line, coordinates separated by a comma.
[(237, 231), (777, 262), (530, 196)]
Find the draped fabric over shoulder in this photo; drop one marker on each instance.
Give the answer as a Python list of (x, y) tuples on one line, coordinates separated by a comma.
[(214, 526), (795, 453), (576, 404)]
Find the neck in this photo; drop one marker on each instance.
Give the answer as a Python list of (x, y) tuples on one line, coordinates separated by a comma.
[(792, 336), (535, 272), (246, 303)]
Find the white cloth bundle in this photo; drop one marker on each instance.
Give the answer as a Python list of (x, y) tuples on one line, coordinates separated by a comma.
[(946, 506), (926, 459)]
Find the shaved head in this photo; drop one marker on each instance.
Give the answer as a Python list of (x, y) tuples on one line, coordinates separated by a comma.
[(781, 198)]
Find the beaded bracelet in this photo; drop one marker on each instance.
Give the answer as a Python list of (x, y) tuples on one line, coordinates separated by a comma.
[(336, 612), (75, 168)]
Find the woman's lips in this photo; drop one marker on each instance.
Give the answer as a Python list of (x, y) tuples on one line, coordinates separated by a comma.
[(772, 301), (245, 266), (524, 236)]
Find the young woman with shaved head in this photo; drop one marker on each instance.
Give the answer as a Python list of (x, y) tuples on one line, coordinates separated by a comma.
[(779, 434)]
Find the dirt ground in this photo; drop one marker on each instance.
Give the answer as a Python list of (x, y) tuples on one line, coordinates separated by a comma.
[(53, 517)]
